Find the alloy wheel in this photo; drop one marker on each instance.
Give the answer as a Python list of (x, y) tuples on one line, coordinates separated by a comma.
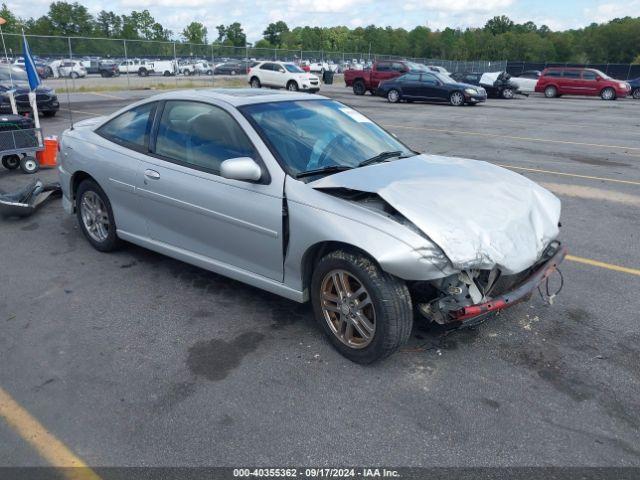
[(457, 99), (393, 96), (348, 309), (608, 94), (636, 94), (94, 216)]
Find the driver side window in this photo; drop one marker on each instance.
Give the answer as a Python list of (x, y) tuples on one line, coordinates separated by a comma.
[(200, 136)]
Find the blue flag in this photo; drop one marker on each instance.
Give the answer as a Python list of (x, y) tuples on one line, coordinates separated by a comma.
[(30, 65)]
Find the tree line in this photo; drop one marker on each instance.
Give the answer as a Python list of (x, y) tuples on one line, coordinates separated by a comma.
[(617, 41)]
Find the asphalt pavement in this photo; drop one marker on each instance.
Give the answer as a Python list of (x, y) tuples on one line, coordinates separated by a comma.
[(135, 359)]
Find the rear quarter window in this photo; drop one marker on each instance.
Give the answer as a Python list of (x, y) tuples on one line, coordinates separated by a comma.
[(130, 129)]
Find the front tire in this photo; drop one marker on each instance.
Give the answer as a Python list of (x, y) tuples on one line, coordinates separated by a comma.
[(456, 99), (292, 86), (393, 96), (95, 217), (608, 94), (508, 93), (74, 75), (636, 94), (365, 312)]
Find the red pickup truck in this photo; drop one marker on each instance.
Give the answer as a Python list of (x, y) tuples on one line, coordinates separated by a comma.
[(364, 81)]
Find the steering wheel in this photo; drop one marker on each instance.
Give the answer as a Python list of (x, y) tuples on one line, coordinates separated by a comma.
[(331, 146)]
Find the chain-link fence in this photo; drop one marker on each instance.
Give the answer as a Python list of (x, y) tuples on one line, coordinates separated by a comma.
[(90, 64), (621, 71)]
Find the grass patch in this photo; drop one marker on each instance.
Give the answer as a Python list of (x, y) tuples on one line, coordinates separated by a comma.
[(163, 85)]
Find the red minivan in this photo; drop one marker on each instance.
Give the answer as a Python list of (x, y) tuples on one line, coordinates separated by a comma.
[(556, 81)]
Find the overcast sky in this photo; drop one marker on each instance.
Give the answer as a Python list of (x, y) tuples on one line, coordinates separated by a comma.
[(254, 15)]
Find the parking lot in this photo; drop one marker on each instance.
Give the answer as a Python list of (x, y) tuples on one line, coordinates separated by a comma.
[(135, 359)]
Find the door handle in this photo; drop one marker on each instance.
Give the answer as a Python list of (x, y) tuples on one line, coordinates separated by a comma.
[(152, 174)]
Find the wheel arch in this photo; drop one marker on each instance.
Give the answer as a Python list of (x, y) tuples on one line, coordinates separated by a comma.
[(316, 251), (76, 179)]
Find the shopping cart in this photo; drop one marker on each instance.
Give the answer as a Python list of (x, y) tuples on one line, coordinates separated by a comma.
[(18, 147)]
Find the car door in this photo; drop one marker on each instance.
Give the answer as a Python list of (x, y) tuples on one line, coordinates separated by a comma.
[(191, 208), (382, 72), (280, 76), (571, 82), (589, 83), (266, 73), (411, 85), (429, 86)]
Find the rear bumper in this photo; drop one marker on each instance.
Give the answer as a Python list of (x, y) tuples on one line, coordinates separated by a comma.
[(521, 292)]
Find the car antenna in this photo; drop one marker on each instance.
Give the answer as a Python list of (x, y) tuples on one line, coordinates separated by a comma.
[(66, 87)]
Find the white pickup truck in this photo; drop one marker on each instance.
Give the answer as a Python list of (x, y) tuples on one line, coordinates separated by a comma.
[(145, 68)]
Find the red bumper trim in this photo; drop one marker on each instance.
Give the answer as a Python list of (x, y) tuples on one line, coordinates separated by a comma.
[(517, 294)]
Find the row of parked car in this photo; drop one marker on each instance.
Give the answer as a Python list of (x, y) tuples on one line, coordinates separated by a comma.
[(408, 81)]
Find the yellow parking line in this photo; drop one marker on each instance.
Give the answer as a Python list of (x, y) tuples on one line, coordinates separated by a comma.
[(589, 177), (608, 266), (45, 443), (512, 137)]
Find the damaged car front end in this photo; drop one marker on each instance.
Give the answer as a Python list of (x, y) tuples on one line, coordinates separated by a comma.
[(488, 236)]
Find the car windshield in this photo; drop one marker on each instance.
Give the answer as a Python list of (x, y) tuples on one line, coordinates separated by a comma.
[(293, 68), (17, 74), (309, 135)]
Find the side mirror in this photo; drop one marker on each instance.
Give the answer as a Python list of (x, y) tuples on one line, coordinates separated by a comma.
[(241, 168)]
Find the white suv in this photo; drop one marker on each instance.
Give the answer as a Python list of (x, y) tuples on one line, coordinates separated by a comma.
[(282, 75)]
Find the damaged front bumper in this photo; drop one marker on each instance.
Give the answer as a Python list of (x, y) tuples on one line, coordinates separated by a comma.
[(521, 292), (467, 297)]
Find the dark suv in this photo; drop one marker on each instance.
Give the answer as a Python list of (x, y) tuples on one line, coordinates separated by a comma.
[(558, 81)]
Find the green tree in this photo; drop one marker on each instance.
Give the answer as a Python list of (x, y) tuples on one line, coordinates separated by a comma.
[(13, 22), (232, 35), (499, 24), (70, 19), (195, 32), (108, 24), (273, 32)]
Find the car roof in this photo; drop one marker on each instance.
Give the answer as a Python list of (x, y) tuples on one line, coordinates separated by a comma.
[(236, 96)]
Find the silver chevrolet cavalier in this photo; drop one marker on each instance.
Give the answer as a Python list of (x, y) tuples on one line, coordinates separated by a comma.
[(309, 199)]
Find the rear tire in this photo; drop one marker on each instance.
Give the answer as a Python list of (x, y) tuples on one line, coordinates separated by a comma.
[(90, 189), (50, 113), (608, 94), (551, 92), (255, 82), (359, 88), (384, 302), (11, 162)]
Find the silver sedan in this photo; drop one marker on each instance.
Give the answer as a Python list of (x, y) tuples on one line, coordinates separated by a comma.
[(309, 199)]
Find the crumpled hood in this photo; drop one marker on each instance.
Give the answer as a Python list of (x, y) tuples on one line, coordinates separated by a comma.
[(480, 215)]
